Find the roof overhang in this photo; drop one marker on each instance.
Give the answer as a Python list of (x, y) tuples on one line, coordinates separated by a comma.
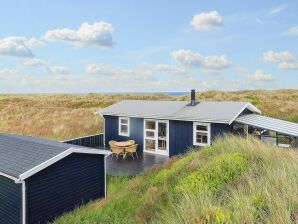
[(9, 176), (248, 106), (280, 126), (207, 120)]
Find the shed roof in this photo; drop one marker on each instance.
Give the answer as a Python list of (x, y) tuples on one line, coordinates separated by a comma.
[(284, 127), (221, 112), (22, 156)]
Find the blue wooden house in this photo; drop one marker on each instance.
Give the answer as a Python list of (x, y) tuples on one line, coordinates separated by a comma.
[(42, 179), (171, 127)]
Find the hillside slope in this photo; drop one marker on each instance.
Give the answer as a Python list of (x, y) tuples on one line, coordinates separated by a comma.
[(234, 181), (65, 116)]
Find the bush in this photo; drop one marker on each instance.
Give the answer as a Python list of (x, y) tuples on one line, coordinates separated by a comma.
[(215, 173)]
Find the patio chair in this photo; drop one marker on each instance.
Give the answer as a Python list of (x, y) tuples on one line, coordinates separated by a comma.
[(132, 150), (116, 150), (132, 142)]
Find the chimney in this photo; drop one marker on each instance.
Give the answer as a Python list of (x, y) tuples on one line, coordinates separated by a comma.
[(193, 97)]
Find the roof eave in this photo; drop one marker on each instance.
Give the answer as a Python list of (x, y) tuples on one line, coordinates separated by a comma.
[(168, 118), (9, 176), (59, 157), (249, 106)]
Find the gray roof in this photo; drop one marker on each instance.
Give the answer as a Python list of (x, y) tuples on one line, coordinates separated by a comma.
[(19, 154), (284, 127), (217, 112)]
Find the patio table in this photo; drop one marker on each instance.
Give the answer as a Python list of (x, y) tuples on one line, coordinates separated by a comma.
[(123, 144)]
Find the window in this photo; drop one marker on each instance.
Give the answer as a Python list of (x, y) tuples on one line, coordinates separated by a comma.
[(124, 126), (201, 134)]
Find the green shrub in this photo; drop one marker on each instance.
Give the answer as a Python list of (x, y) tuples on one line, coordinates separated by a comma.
[(216, 215), (215, 173)]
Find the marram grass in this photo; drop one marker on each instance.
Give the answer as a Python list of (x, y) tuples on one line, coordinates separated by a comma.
[(234, 181), (65, 116)]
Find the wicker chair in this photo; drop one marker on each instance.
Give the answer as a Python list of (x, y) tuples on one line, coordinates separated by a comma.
[(132, 150), (112, 142), (132, 142), (116, 150)]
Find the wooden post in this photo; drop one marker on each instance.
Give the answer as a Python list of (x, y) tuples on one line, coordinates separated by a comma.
[(296, 139), (246, 130)]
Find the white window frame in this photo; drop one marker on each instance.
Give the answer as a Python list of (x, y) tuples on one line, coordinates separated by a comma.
[(155, 138), (128, 126), (208, 132)]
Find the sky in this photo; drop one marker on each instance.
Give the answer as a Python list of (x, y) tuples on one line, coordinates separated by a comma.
[(147, 46)]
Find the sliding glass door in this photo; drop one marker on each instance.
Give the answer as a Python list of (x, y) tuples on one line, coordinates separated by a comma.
[(156, 136)]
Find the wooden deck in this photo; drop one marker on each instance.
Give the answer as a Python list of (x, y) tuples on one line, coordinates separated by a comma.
[(128, 166)]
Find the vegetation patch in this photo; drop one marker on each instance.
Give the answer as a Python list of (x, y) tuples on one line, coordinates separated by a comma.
[(216, 172), (234, 181)]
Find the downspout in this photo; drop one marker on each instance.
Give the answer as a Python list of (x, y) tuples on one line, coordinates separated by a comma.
[(105, 167), (23, 199)]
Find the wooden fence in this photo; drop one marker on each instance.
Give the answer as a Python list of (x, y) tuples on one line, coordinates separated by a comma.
[(92, 141)]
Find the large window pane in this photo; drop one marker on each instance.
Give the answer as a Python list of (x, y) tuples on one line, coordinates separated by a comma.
[(202, 138), (202, 128), (124, 128), (162, 130), (162, 144), (124, 121), (150, 144), (150, 125), (150, 134)]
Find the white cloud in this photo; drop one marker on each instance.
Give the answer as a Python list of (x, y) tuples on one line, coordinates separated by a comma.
[(207, 21), (34, 62), (293, 31), (191, 59), (260, 75), (284, 56), (217, 62), (187, 58), (57, 70), (278, 9), (52, 69), (288, 65), (118, 73), (284, 60), (15, 46), (164, 68), (15, 81), (170, 69), (98, 34)]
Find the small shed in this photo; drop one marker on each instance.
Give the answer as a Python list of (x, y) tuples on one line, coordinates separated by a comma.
[(42, 179)]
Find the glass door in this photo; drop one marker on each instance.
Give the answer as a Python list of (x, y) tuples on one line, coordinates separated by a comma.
[(156, 136), (150, 135)]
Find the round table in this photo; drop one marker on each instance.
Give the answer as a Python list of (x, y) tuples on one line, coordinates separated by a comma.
[(123, 144)]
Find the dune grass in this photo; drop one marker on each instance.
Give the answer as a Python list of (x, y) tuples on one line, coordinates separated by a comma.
[(234, 181), (65, 116)]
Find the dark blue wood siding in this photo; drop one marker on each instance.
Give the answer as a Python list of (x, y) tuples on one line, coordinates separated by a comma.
[(72, 181), (92, 141), (136, 130), (10, 201), (218, 130), (181, 135)]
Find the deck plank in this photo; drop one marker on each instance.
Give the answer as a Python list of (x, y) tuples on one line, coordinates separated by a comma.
[(128, 166)]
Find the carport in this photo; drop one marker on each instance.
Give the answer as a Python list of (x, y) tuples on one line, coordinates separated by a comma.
[(271, 129)]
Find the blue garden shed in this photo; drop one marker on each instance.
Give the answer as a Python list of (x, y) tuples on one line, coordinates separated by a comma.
[(171, 127), (42, 179)]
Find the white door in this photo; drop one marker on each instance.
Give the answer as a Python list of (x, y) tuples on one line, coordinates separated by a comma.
[(156, 136)]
